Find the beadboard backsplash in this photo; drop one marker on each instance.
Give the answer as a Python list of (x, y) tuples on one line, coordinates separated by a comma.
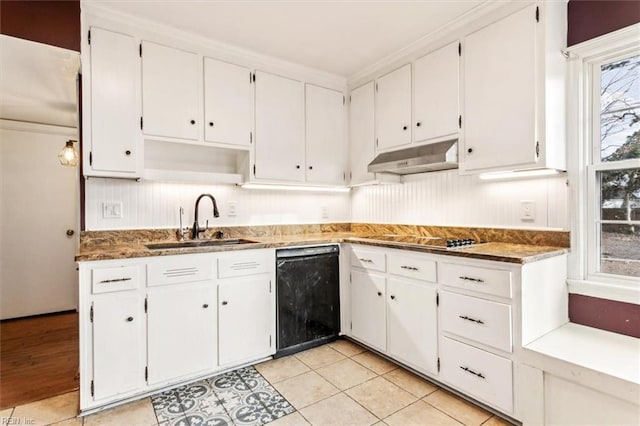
[(448, 199), (439, 199), (148, 204)]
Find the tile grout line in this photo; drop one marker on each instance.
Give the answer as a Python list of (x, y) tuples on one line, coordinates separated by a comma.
[(445, 413)]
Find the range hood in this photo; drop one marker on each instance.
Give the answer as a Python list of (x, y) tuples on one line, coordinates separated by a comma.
[(419, 159)]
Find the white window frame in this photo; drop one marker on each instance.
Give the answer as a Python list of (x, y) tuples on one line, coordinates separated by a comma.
[(583, 163)]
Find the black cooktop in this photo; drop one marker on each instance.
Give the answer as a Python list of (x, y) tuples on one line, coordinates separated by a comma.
[(424, 241)]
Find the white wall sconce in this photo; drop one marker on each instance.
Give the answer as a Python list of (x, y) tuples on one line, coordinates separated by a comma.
[(69, 156)]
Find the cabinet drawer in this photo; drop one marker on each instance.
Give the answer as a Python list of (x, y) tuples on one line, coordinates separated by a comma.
[(481, 374), (368, 259), (179, 269), (117, 278), (412, 267), (476, 319), (245, 263), (484, 280)]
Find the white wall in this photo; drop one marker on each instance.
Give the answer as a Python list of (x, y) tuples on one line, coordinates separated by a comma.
[(155, 205), (445, 198), (441, 198)]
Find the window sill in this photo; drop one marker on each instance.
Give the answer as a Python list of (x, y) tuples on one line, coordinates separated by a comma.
[(623, 292), (605, 361)]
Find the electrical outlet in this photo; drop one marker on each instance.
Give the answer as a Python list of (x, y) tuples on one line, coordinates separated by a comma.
[(324, 212), (112, 210), (231, 208), (527, 210)]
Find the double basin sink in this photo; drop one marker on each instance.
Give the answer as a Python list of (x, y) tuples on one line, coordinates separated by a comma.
[(197, 243)]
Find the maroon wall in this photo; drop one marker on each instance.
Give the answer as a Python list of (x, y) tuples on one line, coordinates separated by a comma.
[(593, 18), (51, 22), (619, 317)]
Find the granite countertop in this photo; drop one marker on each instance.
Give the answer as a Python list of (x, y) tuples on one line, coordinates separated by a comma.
[(497, 251)]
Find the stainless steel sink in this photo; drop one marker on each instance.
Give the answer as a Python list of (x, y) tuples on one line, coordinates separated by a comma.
[(197, 243)]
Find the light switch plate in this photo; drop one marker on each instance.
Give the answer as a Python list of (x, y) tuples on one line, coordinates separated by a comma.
[(527, 210), (112, 210), (232, 208)]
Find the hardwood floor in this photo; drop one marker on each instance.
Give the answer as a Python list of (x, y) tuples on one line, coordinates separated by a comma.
[(38, 358)]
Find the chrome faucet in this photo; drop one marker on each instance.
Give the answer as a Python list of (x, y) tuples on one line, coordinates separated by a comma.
[(181, 231), (196, 231)]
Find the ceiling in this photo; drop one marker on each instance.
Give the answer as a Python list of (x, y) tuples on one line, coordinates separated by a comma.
[(341, 37), (38, 82)]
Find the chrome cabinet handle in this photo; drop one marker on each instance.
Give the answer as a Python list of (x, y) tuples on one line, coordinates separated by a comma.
[(366, 260), (466, 318), (116, 280), (470, 371), (475, 280), (410, 268)]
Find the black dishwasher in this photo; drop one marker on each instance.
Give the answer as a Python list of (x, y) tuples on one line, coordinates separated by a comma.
[(307, 297)]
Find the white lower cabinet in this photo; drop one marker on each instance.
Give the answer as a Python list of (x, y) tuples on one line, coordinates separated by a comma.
[(148, 323), (246, 309), (412, 325), (481, 374), (391, 310), (117, 344), (368, 309), (181, 331)]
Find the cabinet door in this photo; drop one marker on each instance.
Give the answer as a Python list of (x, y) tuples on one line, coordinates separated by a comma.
[(279, 128), (413, 326), (361, 133), (118, 344), (436, 94), (393, 108), (227, 102), (170, 92), (115, 104), (247, 319), (181, 331), (499, 99), (368, 312), (326, 145)]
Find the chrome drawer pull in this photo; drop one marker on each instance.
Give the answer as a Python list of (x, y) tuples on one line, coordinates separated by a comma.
[(470, 371), (116, 280), (471, 319), (366, 260), (410, 268), (475, 280)]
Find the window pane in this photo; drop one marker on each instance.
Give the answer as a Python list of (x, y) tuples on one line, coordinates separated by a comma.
[(620, 201), (620, 249), (620, 110)]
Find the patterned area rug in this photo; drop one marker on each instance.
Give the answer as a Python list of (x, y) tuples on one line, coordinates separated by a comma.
[(240, 397)]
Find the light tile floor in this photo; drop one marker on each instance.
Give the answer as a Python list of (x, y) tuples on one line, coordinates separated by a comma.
[(336, 384)]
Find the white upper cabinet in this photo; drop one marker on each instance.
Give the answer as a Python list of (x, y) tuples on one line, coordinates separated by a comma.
[(436, 94), (326, 157), (279, 141), (361, 133), (113, 134), (513, 118), (227, 103), (171, 92), (393, 108)]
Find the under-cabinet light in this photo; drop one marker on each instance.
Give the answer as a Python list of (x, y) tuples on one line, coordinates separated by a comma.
[(519, 174), (295, 187)]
